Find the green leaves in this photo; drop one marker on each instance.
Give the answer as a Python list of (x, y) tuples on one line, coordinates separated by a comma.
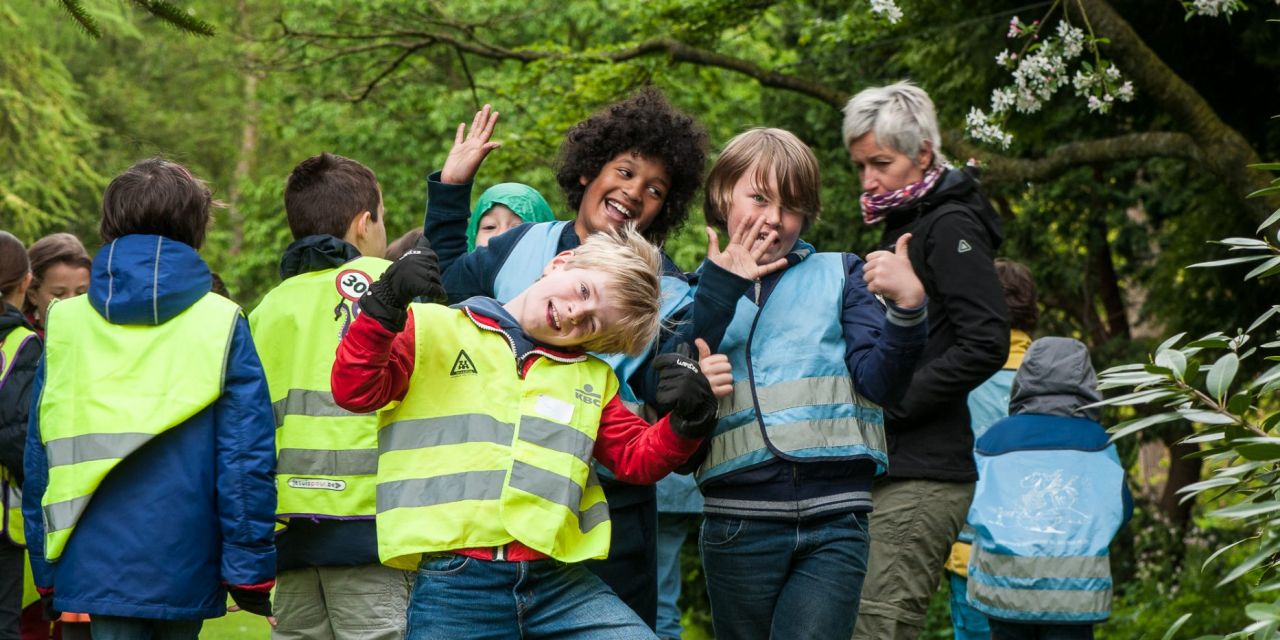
[(1220, 376)]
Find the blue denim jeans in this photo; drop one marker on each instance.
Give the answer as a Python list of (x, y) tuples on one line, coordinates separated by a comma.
[(673, 528), (781, 580), (967, 623), (461, 598), (117, 628)]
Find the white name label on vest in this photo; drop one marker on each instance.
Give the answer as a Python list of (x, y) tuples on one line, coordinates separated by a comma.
[(317, 483), (554, 408)]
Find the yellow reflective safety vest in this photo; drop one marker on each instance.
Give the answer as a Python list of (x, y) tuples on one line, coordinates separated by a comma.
[(10, 491), (148, 390), (477, 456), (326, 456)]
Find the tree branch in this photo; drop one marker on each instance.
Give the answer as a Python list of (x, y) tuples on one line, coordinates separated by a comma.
[(1133, 146)]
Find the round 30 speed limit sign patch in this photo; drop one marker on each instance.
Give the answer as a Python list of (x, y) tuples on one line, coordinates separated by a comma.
[(352, 284)]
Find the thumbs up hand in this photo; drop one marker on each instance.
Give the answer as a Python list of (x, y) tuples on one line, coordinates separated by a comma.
[(716, 368), (889, 273)]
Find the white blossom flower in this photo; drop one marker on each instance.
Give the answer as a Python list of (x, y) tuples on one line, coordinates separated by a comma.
[(1015, 27), (1083, 82), (1214, 8), (980, 127), (887, 9), (1006, 58), (1072, 39), (1112, 72), (1125, 92), (1001, 100)]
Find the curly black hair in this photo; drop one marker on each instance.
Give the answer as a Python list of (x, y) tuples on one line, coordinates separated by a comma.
[(648, 125)]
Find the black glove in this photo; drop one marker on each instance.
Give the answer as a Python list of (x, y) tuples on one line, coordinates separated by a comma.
[(414, 275), (47, 610), (256, 602), (682, 387)]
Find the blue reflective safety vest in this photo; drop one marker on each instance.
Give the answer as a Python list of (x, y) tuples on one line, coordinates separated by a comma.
[(793, 397), (1049, 504), (524, 266)]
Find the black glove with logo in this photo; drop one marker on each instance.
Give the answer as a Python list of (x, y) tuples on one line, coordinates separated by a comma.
[(682, 387), (255, 602), (414, 275)]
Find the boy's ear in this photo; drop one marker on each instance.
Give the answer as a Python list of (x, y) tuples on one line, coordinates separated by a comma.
[(359, 227), (557, 262), (582, 180)]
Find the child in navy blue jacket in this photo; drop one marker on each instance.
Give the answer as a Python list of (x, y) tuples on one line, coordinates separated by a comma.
[(149, 489), (787, 477)]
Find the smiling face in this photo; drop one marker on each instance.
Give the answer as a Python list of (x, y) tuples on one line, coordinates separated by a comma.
[(60, 281), (883, 169), (754, 198), (629, 188), (566, 307), (497, 220)]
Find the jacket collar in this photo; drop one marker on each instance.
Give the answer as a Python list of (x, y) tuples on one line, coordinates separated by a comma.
[(315, 253), (146, 280), (489, 315)]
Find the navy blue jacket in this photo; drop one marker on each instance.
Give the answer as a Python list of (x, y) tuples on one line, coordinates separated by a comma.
[(192, 510)]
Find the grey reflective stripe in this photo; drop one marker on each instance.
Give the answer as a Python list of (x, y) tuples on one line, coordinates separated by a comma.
[(792, 393), (324, 462), (1046, 600), (792, 436), (1041, 567), (426, 492), (63, 515), (434, 432), (788, 509), (546, 485), (557, 437), (594, 516), (93, 446), (314, 404)]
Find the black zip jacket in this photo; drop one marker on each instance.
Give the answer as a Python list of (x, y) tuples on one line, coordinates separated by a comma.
[(955, 234), (15, 392)]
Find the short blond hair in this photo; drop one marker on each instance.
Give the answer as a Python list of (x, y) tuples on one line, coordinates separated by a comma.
[(762, 151), (631, 265)]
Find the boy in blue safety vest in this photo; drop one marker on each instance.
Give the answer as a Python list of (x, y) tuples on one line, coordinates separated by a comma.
[(638, 161), (149, 493), (1052, 497), (787, 477), (494, 415), (329, 582)]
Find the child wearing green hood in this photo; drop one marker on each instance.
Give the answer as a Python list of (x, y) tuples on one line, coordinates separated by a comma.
[(502, 207)]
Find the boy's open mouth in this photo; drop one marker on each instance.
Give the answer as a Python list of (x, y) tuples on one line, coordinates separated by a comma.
[(617, 210), (553, 316)]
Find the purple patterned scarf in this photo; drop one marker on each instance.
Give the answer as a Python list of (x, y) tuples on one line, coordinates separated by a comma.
[(875, 208)]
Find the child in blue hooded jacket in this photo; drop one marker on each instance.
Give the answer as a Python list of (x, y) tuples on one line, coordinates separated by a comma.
[(149, 490)]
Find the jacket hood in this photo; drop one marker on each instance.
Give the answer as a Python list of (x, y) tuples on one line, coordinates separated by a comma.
[(12, 317), (315, 253), (1056, 378), (960, 186), (143, 279)]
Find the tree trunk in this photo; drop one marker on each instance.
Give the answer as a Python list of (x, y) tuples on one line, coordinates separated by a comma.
[(248, 139)]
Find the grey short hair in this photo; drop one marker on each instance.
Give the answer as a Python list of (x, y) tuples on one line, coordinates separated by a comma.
[(901, 115)]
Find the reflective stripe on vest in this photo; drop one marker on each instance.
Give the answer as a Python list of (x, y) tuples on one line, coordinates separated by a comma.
[(1061, 589), (326, 456), (1042, 521), (10, 492), (481, 457), (793, 396), (135, 366)]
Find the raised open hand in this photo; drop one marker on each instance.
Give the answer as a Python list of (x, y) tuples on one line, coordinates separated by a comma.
[(889, 273), (743, 254), (470, 148)]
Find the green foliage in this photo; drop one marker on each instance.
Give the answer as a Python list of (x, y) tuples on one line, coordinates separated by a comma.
[(182, 19)]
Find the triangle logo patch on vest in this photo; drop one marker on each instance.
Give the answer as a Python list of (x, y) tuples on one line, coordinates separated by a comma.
[(463, 365), (964, 247)]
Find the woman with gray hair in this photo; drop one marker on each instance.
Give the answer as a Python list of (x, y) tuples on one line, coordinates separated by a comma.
[(892, 136)]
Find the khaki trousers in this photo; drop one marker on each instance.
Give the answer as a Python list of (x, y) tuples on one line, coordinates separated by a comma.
[(368, 602)]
